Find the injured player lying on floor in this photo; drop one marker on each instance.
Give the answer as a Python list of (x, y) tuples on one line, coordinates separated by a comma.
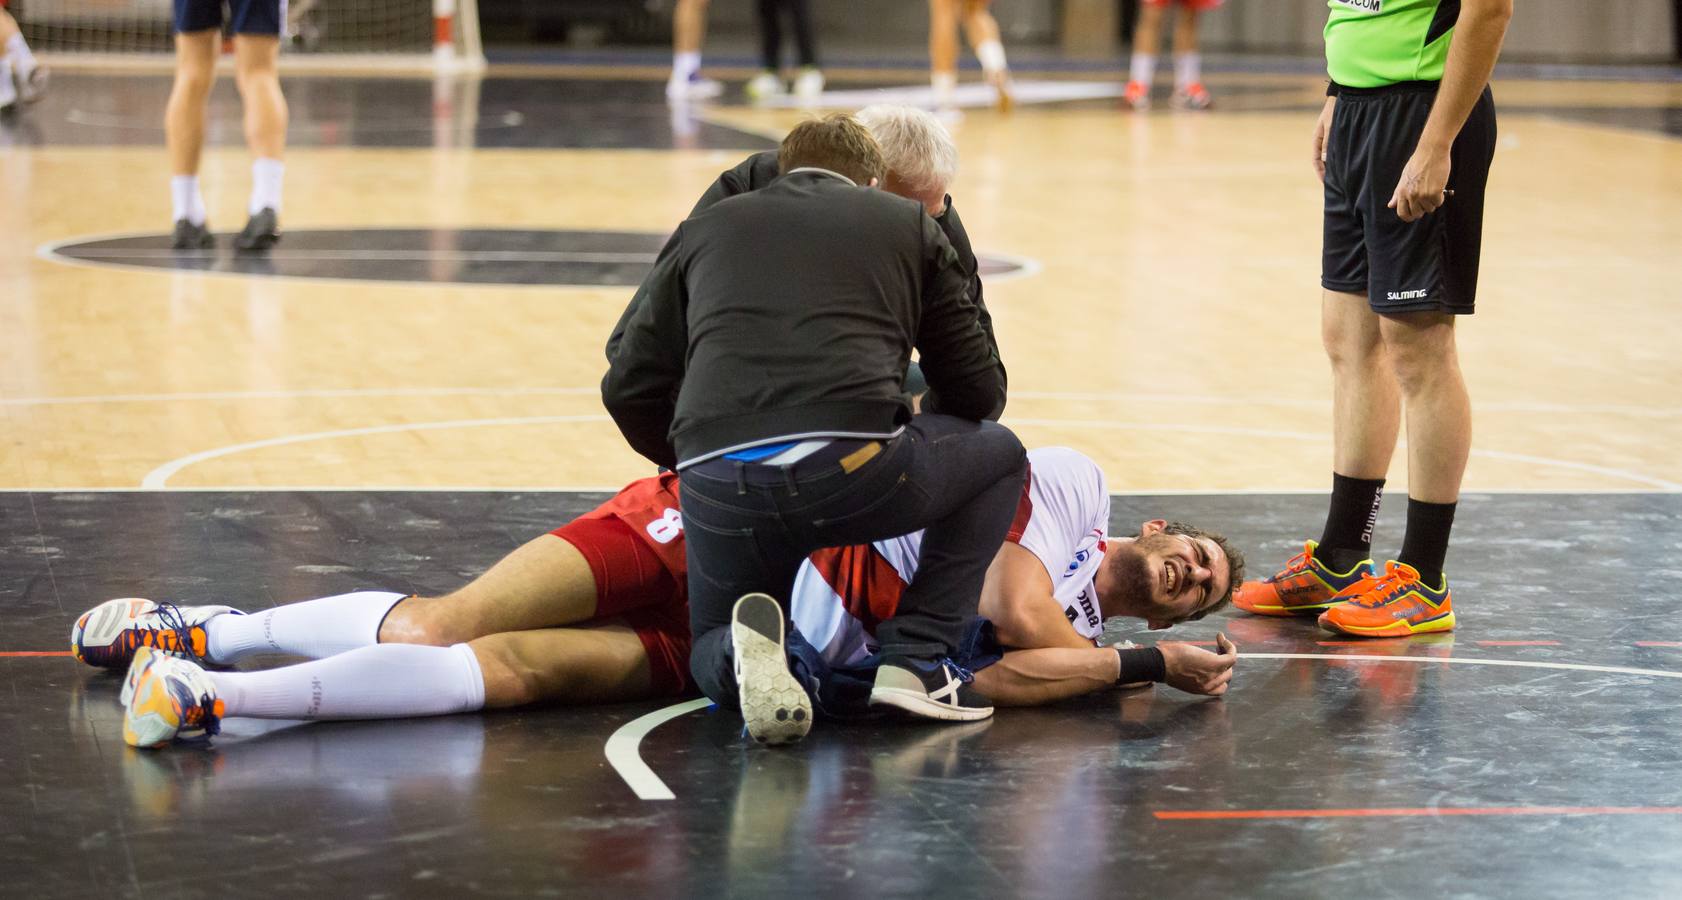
[(595, 612)]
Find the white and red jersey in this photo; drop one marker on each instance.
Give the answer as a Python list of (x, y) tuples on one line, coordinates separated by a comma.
[(1063, 519)]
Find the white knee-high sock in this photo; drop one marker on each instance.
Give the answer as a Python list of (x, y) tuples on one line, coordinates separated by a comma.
[(384, 681), (22, 59), (1188, 69), (315, 628), (8, 91), (992, 56)]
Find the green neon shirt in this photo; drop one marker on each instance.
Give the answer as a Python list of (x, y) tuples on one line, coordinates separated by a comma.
[(1371, 43)]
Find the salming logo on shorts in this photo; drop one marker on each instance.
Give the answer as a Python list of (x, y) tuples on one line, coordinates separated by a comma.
[(1371, 6), (1406, 295)]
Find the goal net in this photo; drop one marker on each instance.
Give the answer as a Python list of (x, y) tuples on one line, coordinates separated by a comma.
[(381, 34)]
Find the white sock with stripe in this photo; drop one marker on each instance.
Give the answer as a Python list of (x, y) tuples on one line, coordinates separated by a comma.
[(384, 681), (314, 628)]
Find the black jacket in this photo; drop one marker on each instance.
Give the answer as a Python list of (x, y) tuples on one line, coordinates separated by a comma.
[(760, 169), (793, 310)]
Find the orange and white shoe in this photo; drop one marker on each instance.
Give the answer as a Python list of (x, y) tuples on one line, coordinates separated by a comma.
[(1305, 587), (1192, 96), (166, 699), (1137, 96), (108, 635), (1395, 604)]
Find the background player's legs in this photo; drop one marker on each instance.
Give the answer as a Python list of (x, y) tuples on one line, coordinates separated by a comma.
[(943, 50), (809, 83), (195, 72), (1366, 410), (768, 82), (1147, 37), (1421, 349), (1189, 92), (257, 68), (543, 584), (689, 31), (983, 32), (16, 61)]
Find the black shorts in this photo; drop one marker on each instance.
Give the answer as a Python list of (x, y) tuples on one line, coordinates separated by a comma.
[(1429, 265), (261, 17)]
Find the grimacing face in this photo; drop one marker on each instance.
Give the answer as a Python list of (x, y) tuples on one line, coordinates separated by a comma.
[(1166, 578)]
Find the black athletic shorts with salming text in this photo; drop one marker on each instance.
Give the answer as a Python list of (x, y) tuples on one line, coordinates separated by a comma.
[(1431, 264), (260, 17)]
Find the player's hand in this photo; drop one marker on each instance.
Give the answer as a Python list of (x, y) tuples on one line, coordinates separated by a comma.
[(1321, 128), (1197, 671), (1421, 189)]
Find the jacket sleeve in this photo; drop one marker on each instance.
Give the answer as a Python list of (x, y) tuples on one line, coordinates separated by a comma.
[(646, 359), (958, 354), (746, 176)]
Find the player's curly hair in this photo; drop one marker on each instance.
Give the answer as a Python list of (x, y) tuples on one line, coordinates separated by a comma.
[(1234, 563)]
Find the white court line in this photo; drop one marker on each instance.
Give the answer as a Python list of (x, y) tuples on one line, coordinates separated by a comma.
[(293, 395), (623, 755), (280, 253), (158, 478), (622, 744)]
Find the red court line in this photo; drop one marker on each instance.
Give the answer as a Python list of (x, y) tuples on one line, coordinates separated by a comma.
[(1369, 642), (34, 652), (1422, 811), (1658, 643), (1517, 643)]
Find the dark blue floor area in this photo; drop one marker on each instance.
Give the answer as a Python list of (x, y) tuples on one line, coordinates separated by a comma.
[(1072, 800)]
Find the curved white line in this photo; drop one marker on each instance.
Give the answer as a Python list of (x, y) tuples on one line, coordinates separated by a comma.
[(622, 751), (622, 745), (1306, 436), (292, 395), (158, 478)]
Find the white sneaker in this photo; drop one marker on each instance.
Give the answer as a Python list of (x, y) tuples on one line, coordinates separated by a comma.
[(764, 86), (109, 635), (692, 88), (167, 699), (775, 707), (808, 85), (32, 86)]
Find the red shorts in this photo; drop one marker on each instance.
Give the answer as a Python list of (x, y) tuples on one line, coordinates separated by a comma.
[(1189, 4), (635, 585)]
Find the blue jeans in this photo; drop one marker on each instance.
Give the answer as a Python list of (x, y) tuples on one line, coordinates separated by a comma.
[(747, 527)]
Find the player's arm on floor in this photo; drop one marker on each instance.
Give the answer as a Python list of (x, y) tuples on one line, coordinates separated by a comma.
[(646, 358), (1017, 598), (1035, 677)]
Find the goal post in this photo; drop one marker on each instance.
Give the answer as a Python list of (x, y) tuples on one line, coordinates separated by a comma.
[(417, 36)]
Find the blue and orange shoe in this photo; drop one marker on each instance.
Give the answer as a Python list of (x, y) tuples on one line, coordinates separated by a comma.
[(1395, 604), (108, 635), (1305, 587), (166, 699)]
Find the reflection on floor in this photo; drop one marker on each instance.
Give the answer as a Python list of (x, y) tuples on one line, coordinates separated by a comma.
[(1056, 802)]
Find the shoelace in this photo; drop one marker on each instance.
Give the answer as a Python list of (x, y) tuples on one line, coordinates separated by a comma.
[(1296, 564), (170, 620), (1377, 590), (964, 675)]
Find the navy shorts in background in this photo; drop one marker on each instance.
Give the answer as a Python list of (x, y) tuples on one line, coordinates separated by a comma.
[(262, 17)]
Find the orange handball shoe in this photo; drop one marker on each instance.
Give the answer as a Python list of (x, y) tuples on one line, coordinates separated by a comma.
[(1305, 586), (1395, 604), (1136, 96)]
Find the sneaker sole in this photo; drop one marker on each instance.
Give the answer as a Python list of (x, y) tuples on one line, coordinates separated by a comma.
[(1394, 629), (1283, 612), (105, 623), (150, 717), (919, 704), (774, 706)]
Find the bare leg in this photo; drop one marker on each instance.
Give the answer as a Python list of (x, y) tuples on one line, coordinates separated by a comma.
[(256, 64), (543, 584), (1366, 404), (1422, 352), (596, 663), (8, 27), (195, 72), (943, 48), (983, 32), (1185, 31), (689, 26)]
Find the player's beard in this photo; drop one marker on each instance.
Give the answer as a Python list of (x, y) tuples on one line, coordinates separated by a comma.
[(1138, 579)]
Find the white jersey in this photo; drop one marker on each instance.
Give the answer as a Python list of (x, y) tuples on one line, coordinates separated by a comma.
[(841, 593)]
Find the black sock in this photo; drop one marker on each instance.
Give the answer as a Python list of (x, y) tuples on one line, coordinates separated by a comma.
[(1348, 536), (1426, 544)]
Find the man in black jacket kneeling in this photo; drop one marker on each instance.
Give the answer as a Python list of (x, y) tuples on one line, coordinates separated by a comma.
[(765, 361)]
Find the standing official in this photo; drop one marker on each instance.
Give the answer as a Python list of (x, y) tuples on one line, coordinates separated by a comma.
[(1403, 146), (765, 361)]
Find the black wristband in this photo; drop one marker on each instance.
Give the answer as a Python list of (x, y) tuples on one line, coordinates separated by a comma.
[(1140, 664), (1331, 89)]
